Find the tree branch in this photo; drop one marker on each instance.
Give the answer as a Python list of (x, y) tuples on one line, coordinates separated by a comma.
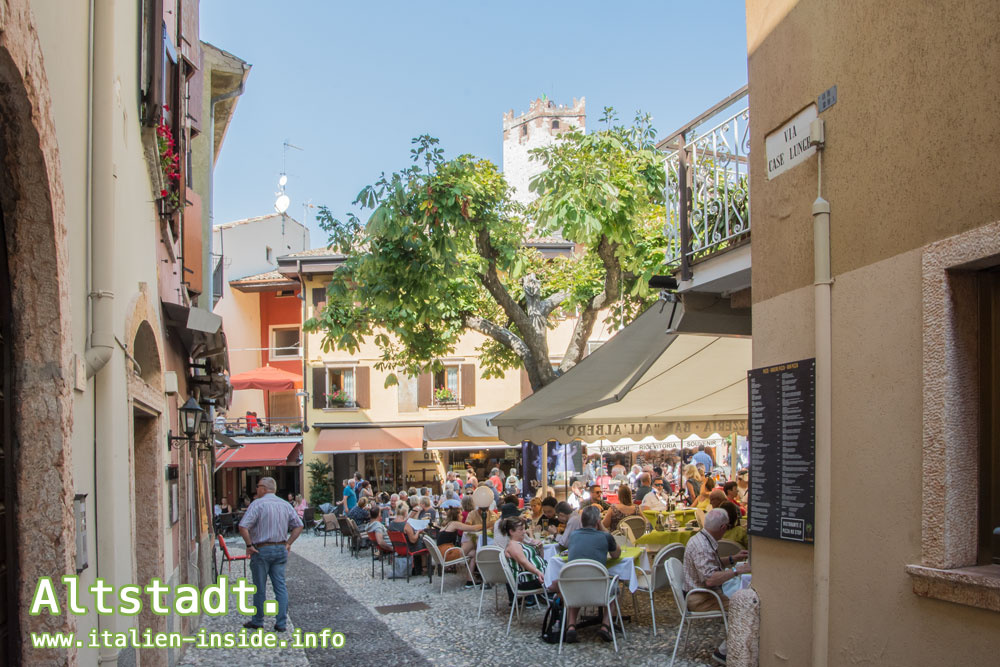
[(553, 302), (491, 281), (607, 251), (498, 333)]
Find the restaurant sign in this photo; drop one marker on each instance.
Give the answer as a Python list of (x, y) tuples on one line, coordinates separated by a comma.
[(639, 430), (607, 447)]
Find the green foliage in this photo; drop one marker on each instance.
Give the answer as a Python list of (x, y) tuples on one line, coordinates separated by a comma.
[(319, 485), (444, 251)]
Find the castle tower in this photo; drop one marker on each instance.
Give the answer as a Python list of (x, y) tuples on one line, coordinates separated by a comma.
[(538, 127)]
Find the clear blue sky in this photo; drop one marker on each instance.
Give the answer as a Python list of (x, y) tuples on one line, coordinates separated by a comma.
[(352, 83)]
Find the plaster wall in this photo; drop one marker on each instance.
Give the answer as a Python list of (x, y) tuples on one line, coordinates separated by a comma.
[(914, 123), (240, 313), (243, 246)]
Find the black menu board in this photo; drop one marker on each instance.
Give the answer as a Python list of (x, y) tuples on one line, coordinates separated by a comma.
[(783, 451)]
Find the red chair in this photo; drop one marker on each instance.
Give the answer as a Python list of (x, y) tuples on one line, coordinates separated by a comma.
[(379, 552), (228, 558), (401, 547)]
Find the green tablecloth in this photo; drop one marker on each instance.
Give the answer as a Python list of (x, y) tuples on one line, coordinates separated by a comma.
[(682, 516), (666, 537)]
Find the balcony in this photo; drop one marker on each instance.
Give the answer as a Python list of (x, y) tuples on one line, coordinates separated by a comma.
[(707, 192)]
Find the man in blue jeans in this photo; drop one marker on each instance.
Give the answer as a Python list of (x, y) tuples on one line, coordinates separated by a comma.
[(265, 529)]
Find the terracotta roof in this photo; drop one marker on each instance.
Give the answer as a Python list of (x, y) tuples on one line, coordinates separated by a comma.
[(315, 252), (269, 277), (237, 223)]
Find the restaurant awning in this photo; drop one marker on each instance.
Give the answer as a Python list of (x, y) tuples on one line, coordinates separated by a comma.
[(267, 378), (365, 440), (468, 428), (269, 453), (675, 369)]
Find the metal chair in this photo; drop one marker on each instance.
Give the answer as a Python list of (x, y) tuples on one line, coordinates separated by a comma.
[(728, 548), (586, 583), (351, 534), (637, 524), (452, 556), (655, 578), (228, 558), (379, 552), (675, 572), (401, 548), (330, 525), (520, 595), (227, 524), (488, 562)]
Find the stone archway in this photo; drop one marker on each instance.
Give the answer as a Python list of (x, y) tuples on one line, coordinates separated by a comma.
[(31, 200), (145, 393)]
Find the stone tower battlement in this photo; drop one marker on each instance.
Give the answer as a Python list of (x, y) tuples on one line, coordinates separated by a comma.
[(537, 127)]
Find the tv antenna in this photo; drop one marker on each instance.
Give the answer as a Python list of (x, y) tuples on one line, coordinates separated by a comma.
[(282, 202)]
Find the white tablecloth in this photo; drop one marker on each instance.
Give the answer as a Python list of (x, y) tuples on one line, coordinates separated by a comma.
[(625, 570)]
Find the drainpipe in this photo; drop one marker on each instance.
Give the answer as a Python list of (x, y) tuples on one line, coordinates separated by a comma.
[(823, 284), (100, 214), (305, 348), (100, 238)]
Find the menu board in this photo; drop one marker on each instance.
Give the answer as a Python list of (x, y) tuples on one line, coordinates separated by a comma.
[(783, 451)]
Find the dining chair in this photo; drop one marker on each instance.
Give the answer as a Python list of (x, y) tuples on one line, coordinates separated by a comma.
[(728, 548), (655, 578), (491, 571), (452, 556), (520, 595), (675, 572), (228, 558), (637, 524), (587, 583)]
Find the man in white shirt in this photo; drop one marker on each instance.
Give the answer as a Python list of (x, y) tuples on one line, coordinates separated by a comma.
[(656, 499)]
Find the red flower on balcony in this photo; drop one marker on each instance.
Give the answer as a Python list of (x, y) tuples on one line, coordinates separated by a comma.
[(169, 164)]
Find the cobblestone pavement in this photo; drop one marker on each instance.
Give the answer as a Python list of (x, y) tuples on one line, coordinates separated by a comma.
[(328, 588)]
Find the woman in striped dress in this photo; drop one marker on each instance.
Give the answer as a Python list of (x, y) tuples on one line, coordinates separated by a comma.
[(522, 557)]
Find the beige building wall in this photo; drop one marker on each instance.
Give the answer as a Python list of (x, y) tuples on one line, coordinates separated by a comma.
[(907, 142)]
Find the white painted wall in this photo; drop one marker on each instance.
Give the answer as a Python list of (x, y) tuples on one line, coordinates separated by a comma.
[(243, 244)]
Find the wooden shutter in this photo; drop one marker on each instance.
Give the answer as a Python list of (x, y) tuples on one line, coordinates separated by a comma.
[(425, 383), (318, 299), (319, 387), (468, 384), (525, 385), (362, 387)]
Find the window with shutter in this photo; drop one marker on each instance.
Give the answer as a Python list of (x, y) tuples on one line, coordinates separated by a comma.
[(424, 389), (468, 392), (362, 387), (318, 388)]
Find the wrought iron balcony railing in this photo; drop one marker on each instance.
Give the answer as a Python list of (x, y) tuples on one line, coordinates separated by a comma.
[(707, 189)]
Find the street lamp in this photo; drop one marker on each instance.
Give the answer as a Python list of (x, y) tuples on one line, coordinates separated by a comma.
[(191, 415)]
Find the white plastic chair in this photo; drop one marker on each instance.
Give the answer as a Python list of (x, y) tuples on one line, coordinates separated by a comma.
[(655, 578), (453, 556), (728, 548), (488, 562), (675, 572), (699, 516), (637, 524), (519, 595), (586, 583)]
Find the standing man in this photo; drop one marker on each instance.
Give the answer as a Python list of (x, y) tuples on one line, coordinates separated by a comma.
[(350, 498), (265, 530), (703, 458)]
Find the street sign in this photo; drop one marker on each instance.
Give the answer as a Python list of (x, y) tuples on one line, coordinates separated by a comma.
[(788, 146)]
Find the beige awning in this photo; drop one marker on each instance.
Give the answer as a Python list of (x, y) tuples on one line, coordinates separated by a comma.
[(467, 428), (673, 370)]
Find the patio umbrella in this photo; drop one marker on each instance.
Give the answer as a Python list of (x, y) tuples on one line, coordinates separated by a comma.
[(267, 378)]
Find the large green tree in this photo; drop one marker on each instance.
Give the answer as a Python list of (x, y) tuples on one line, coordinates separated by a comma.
[(444, 251)]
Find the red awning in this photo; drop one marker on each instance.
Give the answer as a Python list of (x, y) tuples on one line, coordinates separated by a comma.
[(389, 439), (268, 378), (256, 454)]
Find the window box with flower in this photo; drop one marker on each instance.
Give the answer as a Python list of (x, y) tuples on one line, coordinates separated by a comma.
[(169, 200), (445, 396), (339, 399)]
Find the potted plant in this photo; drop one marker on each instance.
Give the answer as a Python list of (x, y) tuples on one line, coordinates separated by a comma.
[(337, 399), (170, 197), (445, 396)]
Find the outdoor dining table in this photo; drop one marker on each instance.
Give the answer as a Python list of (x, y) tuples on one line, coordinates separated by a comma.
[(624, 567), (681, 516), (663, 537)]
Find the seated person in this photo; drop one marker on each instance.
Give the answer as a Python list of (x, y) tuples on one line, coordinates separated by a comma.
[(450, 536), (578, 497), (732, 493), (533, 512), (224, 506), (569, 522), (704, 569), (507, 510), (450, 500), (548, 517), (400, 524), (597, 497), (717, 497), (702, 501), (360, 513), (426, 511), (376, 526), (522, 557), (737, 532), (644, 487), (591, 542), (656, 499)]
